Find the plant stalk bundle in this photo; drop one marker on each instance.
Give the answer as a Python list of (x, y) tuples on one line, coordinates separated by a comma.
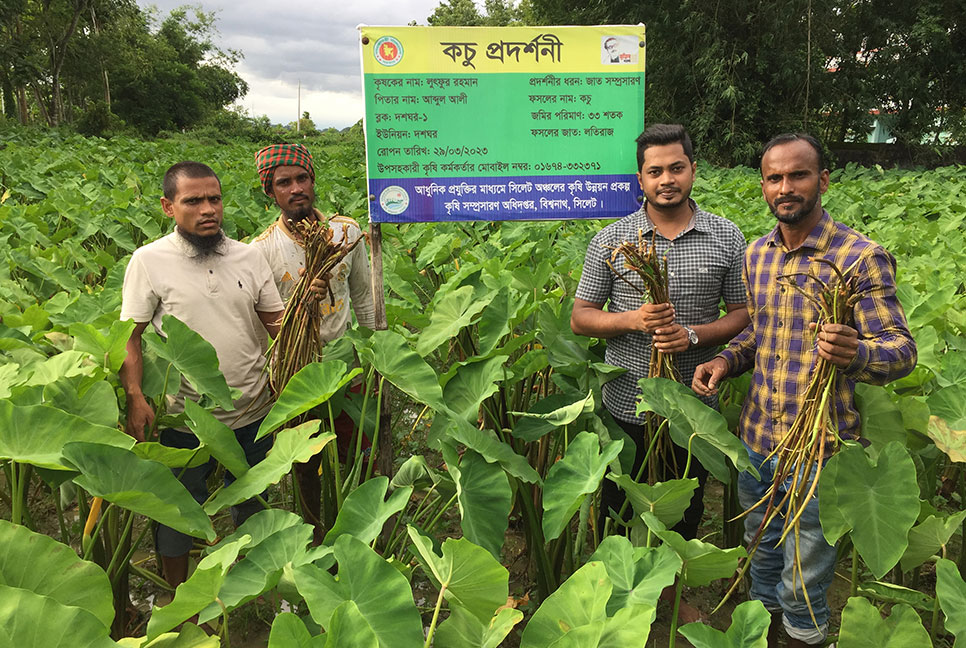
[(813, 435), (299, 341)]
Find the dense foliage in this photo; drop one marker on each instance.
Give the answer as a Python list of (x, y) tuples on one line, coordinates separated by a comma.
[(496, 428)]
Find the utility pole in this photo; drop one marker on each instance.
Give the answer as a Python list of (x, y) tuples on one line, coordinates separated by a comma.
[(298, 116)]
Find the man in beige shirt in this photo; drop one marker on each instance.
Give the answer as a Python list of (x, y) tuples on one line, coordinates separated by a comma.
[(221, 289)]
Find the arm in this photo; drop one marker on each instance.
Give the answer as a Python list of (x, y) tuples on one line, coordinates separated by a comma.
[(590, 319), (140, 415), (674, 338), (271, 320)]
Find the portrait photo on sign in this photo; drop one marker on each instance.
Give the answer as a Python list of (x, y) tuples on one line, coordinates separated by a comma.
[(618, 50)]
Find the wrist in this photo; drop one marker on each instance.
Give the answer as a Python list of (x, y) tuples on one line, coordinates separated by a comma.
[(692, 336)]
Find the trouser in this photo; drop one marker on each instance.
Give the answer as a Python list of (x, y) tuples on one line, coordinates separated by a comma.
[(774, 580), (612, 497), (174, 543)]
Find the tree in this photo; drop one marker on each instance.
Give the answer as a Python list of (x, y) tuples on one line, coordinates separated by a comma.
[(465, 13)]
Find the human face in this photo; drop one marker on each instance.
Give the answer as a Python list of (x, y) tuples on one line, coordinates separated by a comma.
[(196, 206), (666, 176), (293, 192), (792, 183)]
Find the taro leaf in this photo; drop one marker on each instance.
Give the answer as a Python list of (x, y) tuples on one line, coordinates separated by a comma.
[(288, 631), (572, 478), (701, 562), (579, 602), (31, 620), (159, 377), (470, 384), (550, 413), (63, 365), (638, 574), (36, 434), (348, 628), (950, 404), (218, 438), (261, 568), (451, 312), (928, 537), (145, 487), (314, 384), (378, 589), (749, 629), (395, 361), (950, 441), (490, 447), (416, 473), (951, 591), (35, 562), (484, 497), (260, 526), (469, 576), (891, 593), (292, 445), (666, 500), (108, 350), (881, 417), (194, 357), (199, 591), (171, 457), (687, 415), (496, 320), (366, 510), (190, 636), (878, 502), (9, 376), (463, 630), (864, 627), (96, 403)]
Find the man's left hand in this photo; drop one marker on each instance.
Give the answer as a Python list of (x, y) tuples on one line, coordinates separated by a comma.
[(837, 343), (671, 339)]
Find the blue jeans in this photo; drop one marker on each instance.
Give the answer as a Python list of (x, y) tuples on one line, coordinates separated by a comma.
[(174, 543), (773, 578)]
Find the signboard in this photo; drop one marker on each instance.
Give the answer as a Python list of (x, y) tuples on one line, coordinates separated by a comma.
[(508, 123)]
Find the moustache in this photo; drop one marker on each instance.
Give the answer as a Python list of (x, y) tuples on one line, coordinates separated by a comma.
[(788, 199)]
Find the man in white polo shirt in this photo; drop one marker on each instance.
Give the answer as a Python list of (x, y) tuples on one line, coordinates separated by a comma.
[(221, 289)]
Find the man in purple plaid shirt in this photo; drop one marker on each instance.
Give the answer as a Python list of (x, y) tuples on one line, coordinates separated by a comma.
[(777, 345)]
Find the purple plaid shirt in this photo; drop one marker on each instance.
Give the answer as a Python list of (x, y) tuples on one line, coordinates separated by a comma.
[(781, 349)]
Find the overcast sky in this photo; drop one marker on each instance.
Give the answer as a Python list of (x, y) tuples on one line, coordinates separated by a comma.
[(286, 41)]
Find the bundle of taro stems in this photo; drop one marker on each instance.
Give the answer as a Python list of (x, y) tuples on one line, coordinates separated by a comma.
[(641, 258), (813, 435), (299, 341)]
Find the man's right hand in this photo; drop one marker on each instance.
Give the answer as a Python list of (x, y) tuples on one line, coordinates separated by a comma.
[(707, 376), (651, 317), (140, 416)]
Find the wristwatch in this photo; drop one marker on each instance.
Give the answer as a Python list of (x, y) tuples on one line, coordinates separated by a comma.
[(692, 336)]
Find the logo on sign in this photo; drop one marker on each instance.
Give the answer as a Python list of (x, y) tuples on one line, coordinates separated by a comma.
[(388, 51), (394, 200)]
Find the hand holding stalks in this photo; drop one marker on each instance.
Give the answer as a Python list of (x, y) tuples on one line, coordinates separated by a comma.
[(837, 343)]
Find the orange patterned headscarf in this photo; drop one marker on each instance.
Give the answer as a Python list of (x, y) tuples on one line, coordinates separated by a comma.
[(278, 155)]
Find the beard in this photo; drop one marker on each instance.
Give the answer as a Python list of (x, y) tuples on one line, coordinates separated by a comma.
[(205, 246), (805, 208), (300, 213)]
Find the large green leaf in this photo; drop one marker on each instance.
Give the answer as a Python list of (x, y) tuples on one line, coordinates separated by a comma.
[(572, 478), (31, 620), (890, 593), (878, 502), (881, 417), (194, 357), (288, 631), (292, 445), (450, 313), (550, 413), (190, 636), (63, 365), (687, 415), (218, 438), (366, 509), (463, 630), (951, 591), (348, 628), (145, 487), (749, 629), (471, 383), (416, 473), (949, 403), (108, 350), (378, 589), (484, 496), (171, 457), (497, 318), (490, 447), (928, 537), (638, 574), (36, 434), (199, 591), (701, 562), (469, 576), (95, 403), (864, 627), (666, 500), (314, 384), (949, 440), (35, 562), (393, 358)]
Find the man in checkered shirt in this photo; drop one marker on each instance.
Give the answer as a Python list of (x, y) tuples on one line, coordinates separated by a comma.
[(704, 254), (778, 345)]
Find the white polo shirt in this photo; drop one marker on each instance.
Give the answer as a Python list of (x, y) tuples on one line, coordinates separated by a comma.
[(219, 298)]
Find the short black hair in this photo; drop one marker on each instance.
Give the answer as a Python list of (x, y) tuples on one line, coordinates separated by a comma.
[(785, 138), (185, 169), (661, 134)]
